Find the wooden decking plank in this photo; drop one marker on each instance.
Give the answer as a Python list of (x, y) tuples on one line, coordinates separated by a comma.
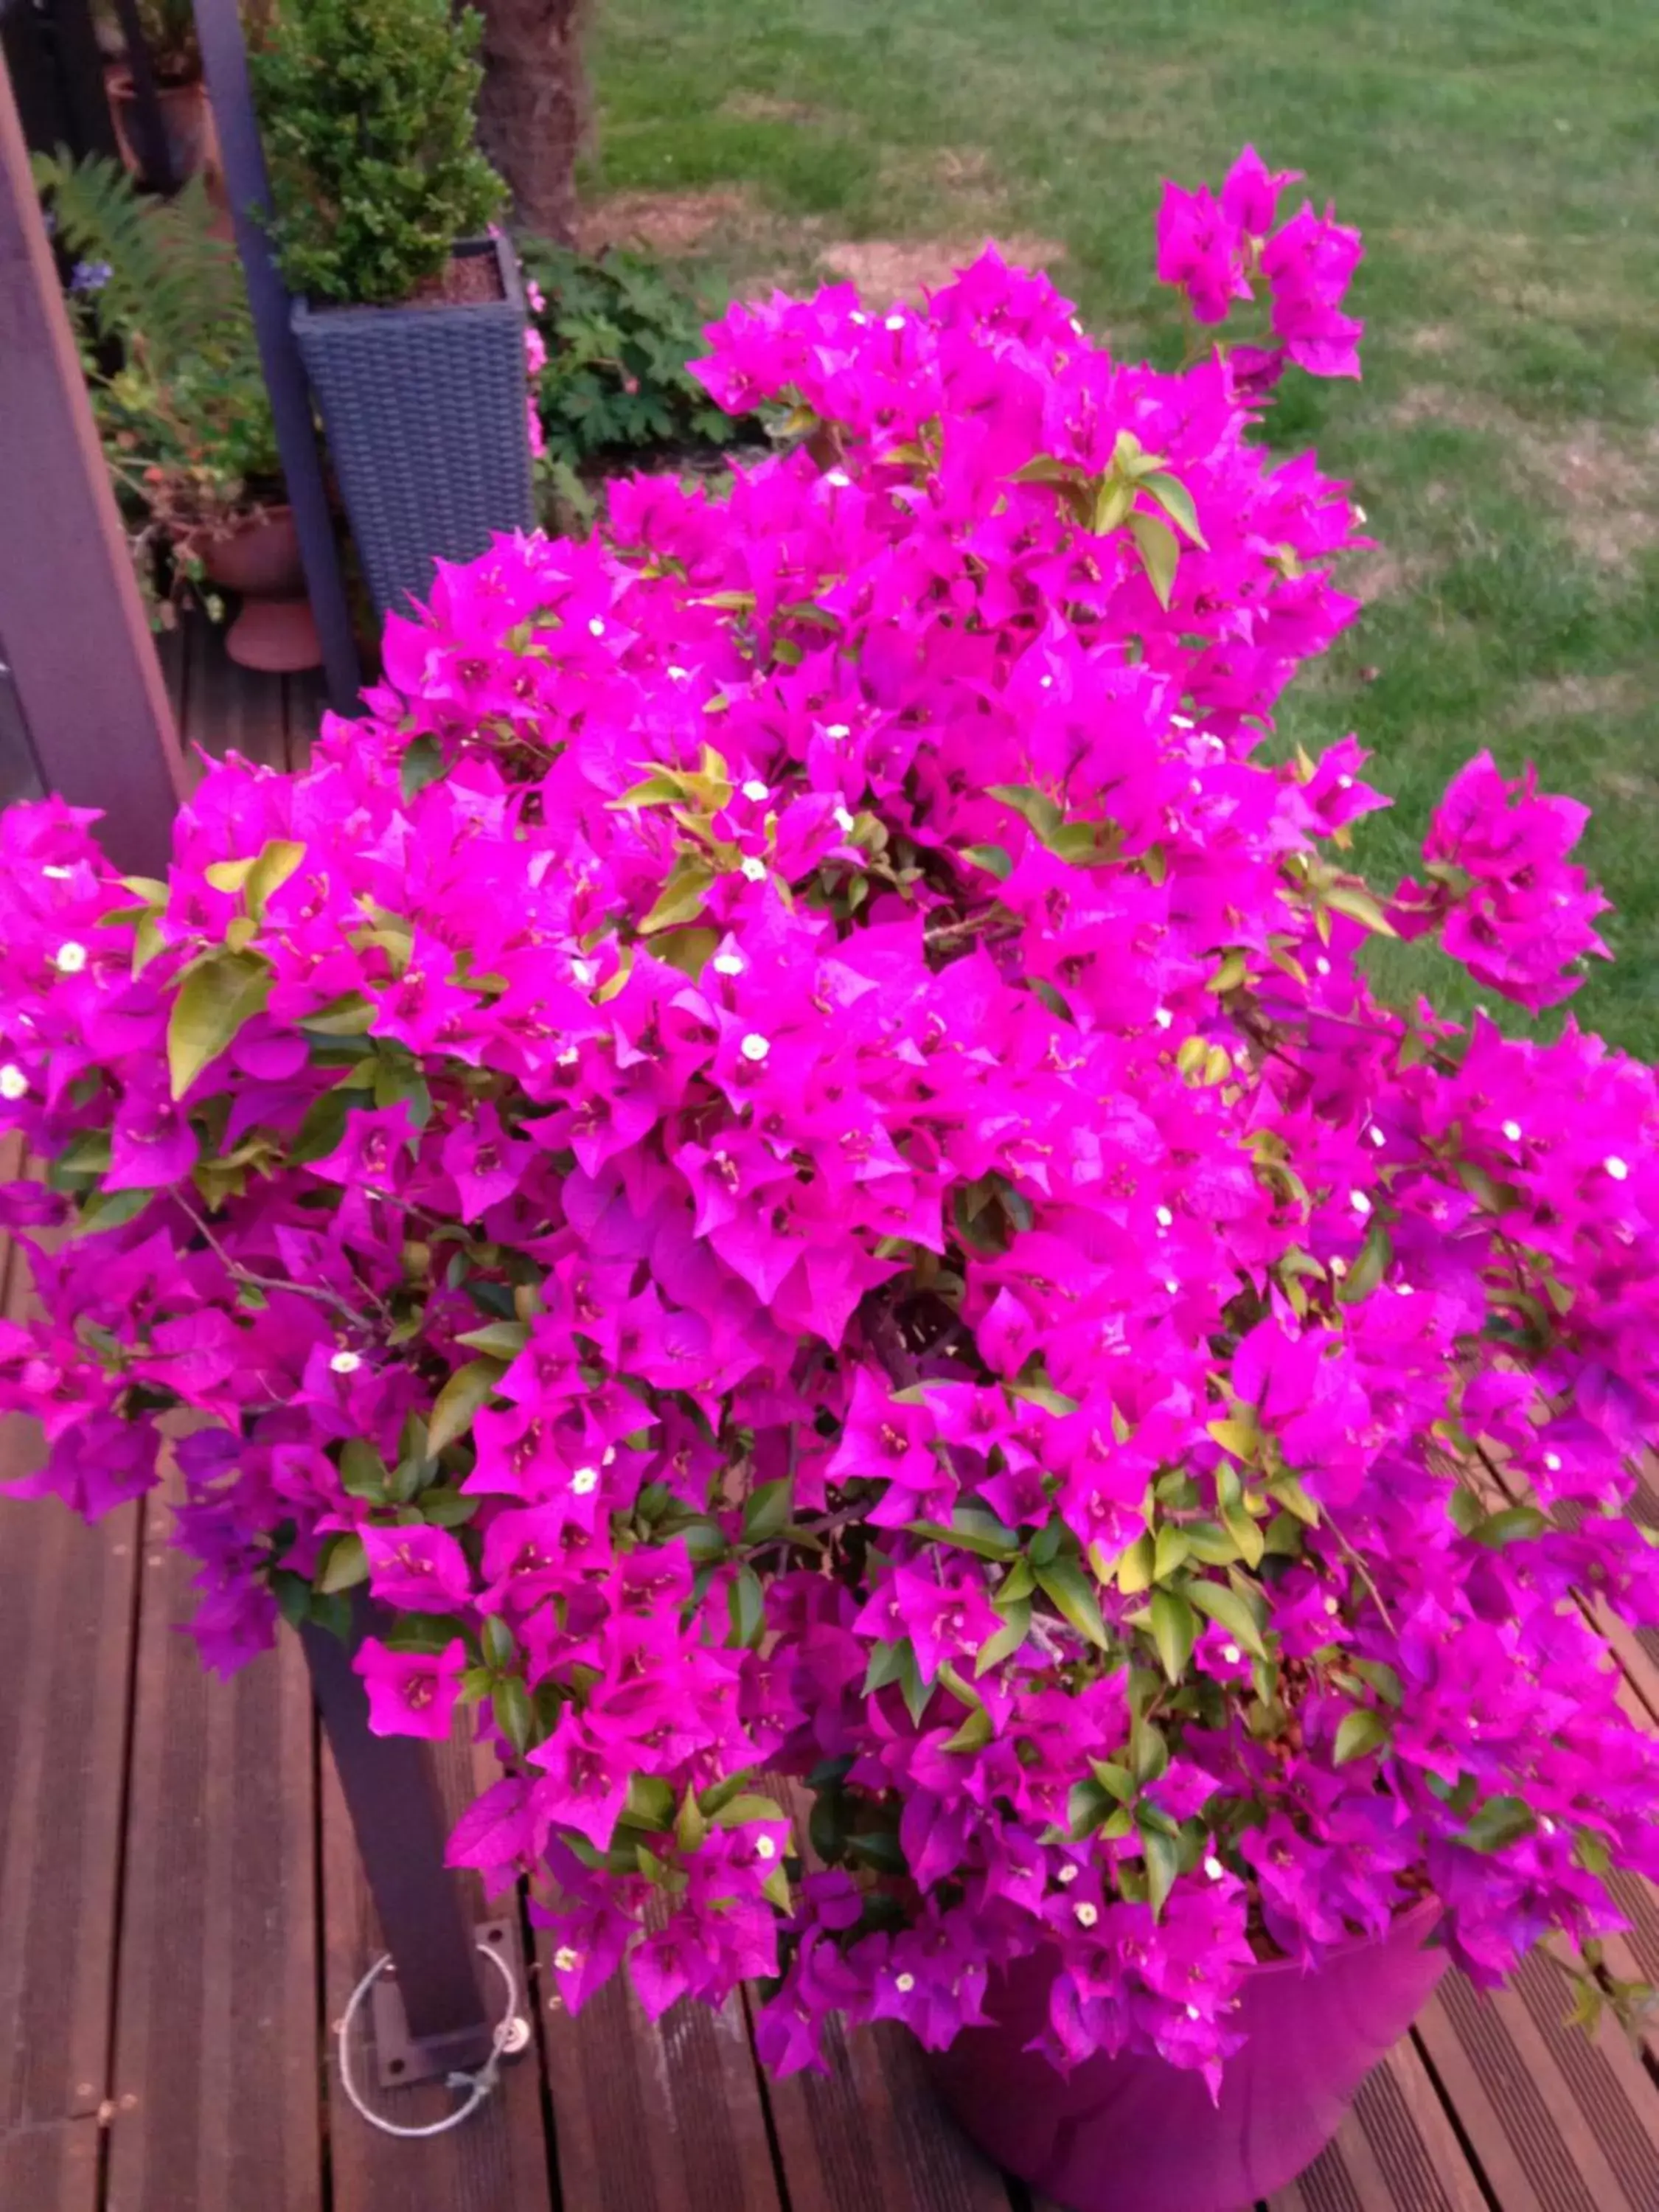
[(232, 709), (1396, 2152), (65, 1617), (1535, 2130), (215, 2081), (872, 2137), (667, 2116), (497, 2160), (51, 2169)]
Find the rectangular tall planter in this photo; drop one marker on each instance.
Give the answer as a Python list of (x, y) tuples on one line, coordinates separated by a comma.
[(425, 412)]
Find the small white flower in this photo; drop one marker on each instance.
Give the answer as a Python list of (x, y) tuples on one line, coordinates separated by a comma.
[(607, 1456), (896, 322), (1552, 1461), (765, 1848), (755, 1047), (584, 1480), (1321, 966), (58, 875), (1231, 1653), (858, 317), (1172, 1286), (1332, 1607), (1547, 1824), (1213, 1868), (1066, 1876), (1195, 788), (566, 1959), (837, 730), (1087, 1914), (1360, 1203), (1376, 1136), (1045, 683), (904, 1983), (1338, 1268), (839, 478), (583, 972), (1193, 2012), (1512, 1132), (345, 1363), (756, 790), (1164, 1017), (727, 964), (596, 628), (1180, 721), (70, 957), (1164, 1217), (14, 1084), (678, 674), (570, 1056), (752, 869), (1404, 1291), (1614, 1166), (845, 820), (1345, 783)]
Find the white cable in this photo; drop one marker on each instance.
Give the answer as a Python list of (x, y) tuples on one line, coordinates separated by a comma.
[(507, 2035)]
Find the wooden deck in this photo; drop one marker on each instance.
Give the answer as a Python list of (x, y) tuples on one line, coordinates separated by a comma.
[(182, 1916)]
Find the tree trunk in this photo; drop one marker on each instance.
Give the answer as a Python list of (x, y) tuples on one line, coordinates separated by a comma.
[(533, 106)]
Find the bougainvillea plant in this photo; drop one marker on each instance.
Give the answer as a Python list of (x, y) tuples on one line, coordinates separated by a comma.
[(787, 1155)]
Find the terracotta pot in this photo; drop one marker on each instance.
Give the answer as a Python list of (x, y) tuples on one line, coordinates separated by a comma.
[(186, 124), (259, 560), (1136, 2135)]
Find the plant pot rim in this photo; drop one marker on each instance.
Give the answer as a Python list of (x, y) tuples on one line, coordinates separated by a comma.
[(1427, 1911), (311, 315)]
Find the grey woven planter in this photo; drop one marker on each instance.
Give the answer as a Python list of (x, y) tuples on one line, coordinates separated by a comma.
[(425, 411)]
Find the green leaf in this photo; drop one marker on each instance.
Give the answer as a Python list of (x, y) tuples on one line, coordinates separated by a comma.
[(515, 1717), (459, 1400), (1362, 1731), (1173, 496), (746, 1605), (974, 1530), (499, 1643), (681, 896), (994, 858), (739, 1811), (1163, 1856), (423, 763), (1160, 553), (1008, 1639), (279, 859), (1372, 1263), (1354, 901), (1170, 1551), (1071, 1593), (213, 1002), (362, 1470), (880, 1850), (1137, 1566), (1039, 809), (344, 1564), (1175, 1627), (767, 1512), (1510, 1526), (1499, 1822), (1230, 1609), (501, 1340)]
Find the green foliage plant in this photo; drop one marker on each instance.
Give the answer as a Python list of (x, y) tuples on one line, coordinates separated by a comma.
[(365, 107)]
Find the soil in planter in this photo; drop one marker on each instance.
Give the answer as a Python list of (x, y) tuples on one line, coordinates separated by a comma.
[(468, 281)]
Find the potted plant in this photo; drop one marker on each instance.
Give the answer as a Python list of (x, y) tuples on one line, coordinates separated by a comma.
[(175, 59), (788, 1153), (167, 346), (410, 313)]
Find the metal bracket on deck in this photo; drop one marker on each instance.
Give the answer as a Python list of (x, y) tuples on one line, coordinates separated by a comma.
[(401, 2059)]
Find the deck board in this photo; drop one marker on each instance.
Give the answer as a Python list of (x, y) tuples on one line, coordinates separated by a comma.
[(215, 2081), (51, 2169), (1396, 2152)]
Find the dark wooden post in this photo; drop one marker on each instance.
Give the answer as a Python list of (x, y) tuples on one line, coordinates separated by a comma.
[(151, 131), (391, 1794), (82, 662), (224, 55)]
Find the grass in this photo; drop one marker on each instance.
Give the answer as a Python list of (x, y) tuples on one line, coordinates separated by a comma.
[(1499, 155)]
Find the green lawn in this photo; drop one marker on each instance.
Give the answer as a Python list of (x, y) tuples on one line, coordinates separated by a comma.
[(1500, 156)]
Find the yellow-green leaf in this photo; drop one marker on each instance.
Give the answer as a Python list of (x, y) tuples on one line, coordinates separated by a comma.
[(1068, 1589), (1359, 906), (681, 896), (213, 1002), (1362, 1730), (459, 1400), (1230, 1609), (278, 860), (1173, 496), (1174, 1629), (1237, 1436), (1160, 553)]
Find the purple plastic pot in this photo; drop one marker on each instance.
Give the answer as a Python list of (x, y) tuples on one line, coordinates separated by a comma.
[(1136, 2135)]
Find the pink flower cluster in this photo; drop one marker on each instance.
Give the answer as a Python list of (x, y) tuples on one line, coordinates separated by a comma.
[(1507, 902), (1216, 250), (787, 1155)]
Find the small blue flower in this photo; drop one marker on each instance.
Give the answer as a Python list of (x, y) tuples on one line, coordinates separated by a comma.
[(90, 276)]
